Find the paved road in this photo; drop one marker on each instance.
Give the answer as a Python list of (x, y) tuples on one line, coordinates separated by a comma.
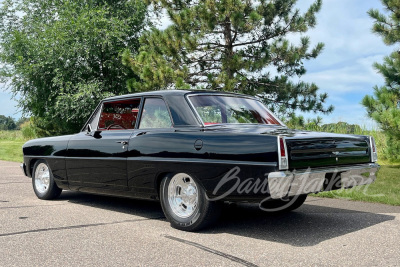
[(87, 230)]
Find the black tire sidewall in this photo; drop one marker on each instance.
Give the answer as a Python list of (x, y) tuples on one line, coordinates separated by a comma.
[(53, 190), (193, 221)]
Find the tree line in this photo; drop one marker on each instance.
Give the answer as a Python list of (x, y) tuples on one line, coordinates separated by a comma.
[(8, 123), (61, 57)]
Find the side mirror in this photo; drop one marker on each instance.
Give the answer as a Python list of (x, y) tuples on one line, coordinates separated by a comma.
[(97, 134)]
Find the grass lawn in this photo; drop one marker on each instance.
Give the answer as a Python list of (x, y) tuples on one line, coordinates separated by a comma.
[(11, 145), (386, 188), (11, 150)]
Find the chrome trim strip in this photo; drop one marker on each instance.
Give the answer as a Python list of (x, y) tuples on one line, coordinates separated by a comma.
[(194, 111), (44, 157), (212, 161), (95, 158), (338, 168), (283, 184), (177, 160)]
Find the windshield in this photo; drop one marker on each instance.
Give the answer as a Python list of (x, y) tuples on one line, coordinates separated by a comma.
[(221, 109)]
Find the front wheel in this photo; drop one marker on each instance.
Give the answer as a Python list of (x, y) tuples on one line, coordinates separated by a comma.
[(43, 181), (185, 204)]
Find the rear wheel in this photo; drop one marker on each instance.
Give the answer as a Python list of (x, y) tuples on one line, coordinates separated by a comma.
[(185, 204), (43, 181), (283, 205)]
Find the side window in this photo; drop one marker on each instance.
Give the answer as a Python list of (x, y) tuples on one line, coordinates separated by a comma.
[(120, 114), (155, 114)]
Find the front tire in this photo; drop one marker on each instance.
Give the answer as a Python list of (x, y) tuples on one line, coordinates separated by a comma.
[(43, 181), (185, 203)]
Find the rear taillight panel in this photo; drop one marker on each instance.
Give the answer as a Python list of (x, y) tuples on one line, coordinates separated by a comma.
[(282, 154), (374, 153)]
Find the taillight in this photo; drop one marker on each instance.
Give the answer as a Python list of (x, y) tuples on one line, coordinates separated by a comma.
[(374, 153), (282, 154), (282, 147)]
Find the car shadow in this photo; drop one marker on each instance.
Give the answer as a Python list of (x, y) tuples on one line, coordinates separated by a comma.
[(307, 226), (142, 208)]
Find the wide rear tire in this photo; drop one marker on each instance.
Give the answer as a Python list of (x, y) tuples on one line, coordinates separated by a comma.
[(185, 203)]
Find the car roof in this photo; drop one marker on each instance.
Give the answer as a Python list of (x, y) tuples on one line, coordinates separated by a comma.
[(172, 93)]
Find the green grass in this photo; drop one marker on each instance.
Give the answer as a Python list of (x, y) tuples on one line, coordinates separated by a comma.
[(11, 150), (385, 189), (11, 135), (11, 145)]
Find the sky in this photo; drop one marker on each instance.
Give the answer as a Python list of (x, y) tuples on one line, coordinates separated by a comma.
[(344, 68)]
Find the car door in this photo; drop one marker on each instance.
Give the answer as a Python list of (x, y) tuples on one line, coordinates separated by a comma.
[(96, 160), (147, 143)]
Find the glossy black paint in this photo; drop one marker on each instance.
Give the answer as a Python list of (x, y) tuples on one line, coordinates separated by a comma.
[(327, 152), (132, 162), (154, 153), (53, 150), (98, 161)]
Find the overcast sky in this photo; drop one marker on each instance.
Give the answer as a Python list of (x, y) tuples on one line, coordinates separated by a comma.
[(343, 70)]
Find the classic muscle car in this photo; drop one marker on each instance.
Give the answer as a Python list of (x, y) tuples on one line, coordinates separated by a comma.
[(192, 150)]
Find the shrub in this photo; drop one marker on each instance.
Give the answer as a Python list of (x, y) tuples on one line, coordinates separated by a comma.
[(28, 130)]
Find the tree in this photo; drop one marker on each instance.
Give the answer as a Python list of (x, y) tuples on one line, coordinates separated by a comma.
[(62, 56), (383, 106), (232, 45), (7, 123), (21, 121)]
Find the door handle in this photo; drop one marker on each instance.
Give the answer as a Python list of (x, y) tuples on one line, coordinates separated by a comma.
[(141, 133), (123, 142)]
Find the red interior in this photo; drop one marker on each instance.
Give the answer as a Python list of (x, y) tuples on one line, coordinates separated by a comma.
[(126, 120)]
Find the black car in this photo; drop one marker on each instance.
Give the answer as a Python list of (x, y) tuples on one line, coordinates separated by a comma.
[(192, 150)]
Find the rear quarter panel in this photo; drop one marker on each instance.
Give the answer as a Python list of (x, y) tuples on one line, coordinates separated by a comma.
[(152, 155)]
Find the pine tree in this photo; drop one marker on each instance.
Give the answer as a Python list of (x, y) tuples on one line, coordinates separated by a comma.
[(384, 105), (232, 45)]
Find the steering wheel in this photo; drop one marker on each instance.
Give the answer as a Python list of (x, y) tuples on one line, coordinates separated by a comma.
[(115, 124)]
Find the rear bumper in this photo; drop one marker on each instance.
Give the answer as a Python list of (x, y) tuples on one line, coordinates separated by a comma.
[(23, 168), (313, 180)]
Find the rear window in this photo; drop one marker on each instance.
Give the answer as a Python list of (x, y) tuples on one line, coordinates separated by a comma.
[(217, 109)]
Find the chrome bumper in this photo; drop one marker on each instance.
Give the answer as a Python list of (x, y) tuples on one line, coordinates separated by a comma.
[(23, 168), (282, 184)]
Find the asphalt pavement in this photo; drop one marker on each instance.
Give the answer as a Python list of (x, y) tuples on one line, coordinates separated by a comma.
[(89, 230)]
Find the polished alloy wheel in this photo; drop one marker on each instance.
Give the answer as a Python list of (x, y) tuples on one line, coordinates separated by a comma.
[(183, 195), (42, 178)]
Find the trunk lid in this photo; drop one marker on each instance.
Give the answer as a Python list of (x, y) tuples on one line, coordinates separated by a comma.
[(328, 150), (312, 149)]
